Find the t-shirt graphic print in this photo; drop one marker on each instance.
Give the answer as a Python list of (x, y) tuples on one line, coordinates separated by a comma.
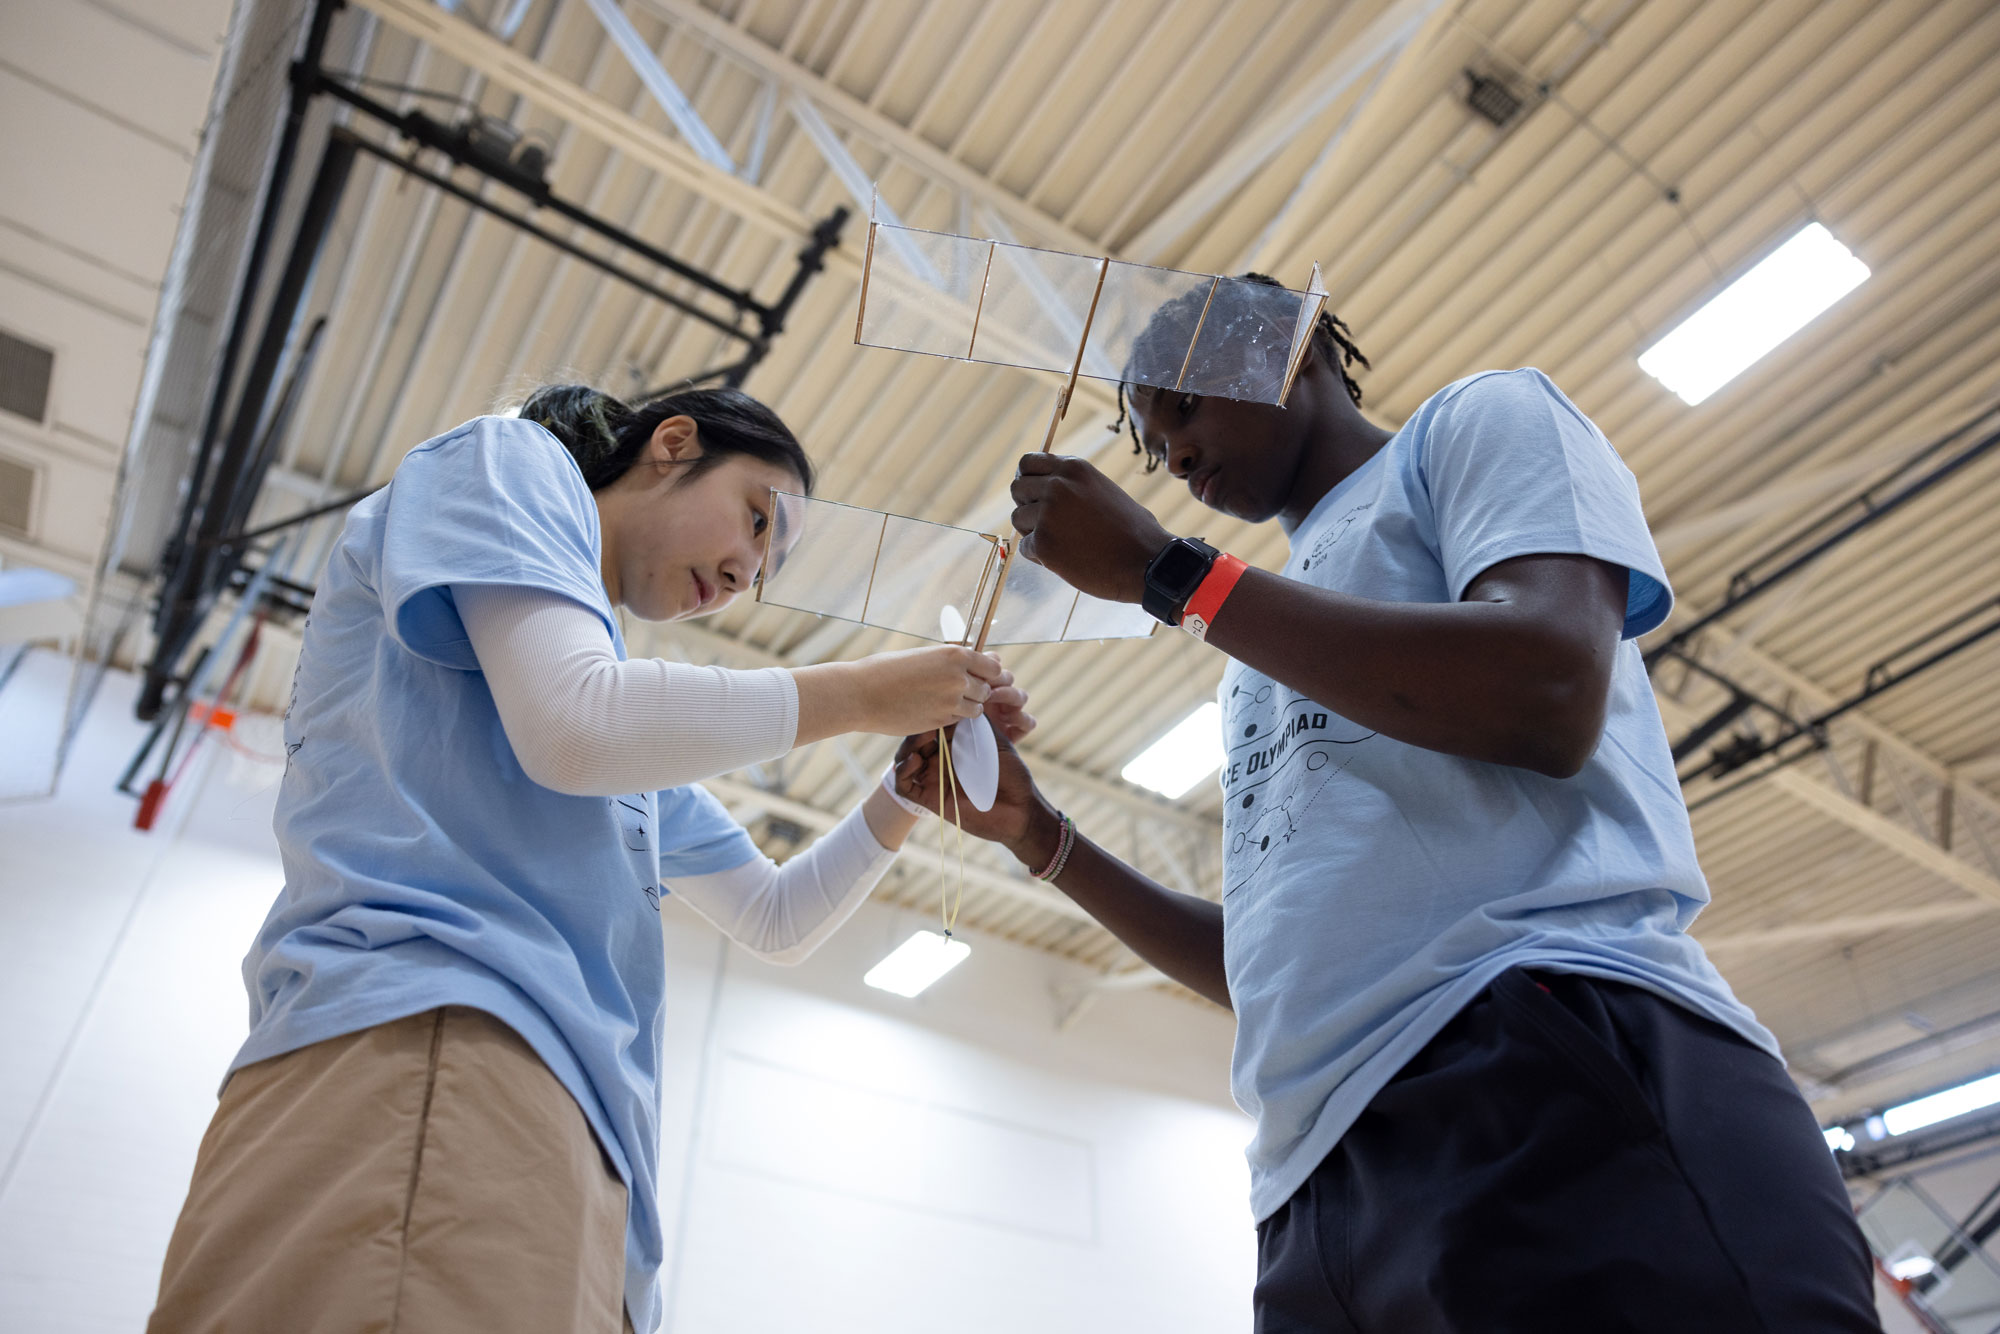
[(1283, 754)]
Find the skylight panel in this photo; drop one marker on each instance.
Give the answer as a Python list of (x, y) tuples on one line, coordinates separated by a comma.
[(1782, 294), (916, 963)]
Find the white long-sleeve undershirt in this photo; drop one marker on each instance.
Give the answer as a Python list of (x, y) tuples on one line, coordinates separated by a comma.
[(783, 913), (584, 723)]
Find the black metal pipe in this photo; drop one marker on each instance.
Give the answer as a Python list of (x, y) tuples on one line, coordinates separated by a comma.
[(1742, 591), (173, 717), (1877, 681), (660, 257), (570, 248), (1738, 705), (239, 323), (206, 550), (812, 258), (454, 144), (240, 580), (247, 491), (187, 595), (304, 516), (1861, 500), (1880, 678)]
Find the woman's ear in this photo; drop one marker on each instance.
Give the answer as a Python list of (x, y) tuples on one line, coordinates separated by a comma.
[(674, 441)]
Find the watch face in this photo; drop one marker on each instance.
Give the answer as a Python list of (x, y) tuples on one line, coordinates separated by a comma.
[(1180, 568)]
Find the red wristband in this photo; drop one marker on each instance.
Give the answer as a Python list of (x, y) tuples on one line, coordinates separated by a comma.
[(1207, 600)]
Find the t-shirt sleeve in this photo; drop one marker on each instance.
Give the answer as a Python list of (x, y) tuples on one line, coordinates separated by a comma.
[(1514, 469), (698, 835), (498, 501)]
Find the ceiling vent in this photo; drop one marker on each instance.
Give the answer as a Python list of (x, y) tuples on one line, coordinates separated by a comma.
[(1491, 97), (17, 496), (25, 370)]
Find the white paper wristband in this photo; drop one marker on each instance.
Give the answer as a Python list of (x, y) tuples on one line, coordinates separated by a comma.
[(889, 786)]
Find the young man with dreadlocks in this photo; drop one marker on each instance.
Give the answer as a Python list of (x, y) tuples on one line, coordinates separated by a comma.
[(1497, 1085)]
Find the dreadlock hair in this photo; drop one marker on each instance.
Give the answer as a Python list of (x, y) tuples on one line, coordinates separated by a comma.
[(1330, 336), (606, 436)]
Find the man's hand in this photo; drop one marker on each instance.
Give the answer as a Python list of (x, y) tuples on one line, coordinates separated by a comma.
[(1020, 819), (1079, 523), (1179, 934)]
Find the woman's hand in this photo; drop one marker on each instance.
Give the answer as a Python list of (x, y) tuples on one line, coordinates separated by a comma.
[(915, 690)]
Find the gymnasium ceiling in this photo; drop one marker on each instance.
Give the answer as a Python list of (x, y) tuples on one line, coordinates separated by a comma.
[(1661, 147)]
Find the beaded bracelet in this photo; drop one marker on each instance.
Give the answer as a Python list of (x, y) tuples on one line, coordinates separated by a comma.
[(1064, 845)]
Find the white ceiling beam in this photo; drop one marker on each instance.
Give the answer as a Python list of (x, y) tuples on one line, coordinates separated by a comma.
[(1810, 695), (1136, 978), (1281, 125), (609, 124), (1863, 820), (1281, 233), (1837, 928), (645, 62), (894, 137), (858, 184)]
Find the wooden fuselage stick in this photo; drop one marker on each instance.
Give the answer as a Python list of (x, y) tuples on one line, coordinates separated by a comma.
[(1083, 339), (999, 590)]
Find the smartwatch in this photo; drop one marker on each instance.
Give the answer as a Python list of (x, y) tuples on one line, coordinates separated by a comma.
[(1173, 575)]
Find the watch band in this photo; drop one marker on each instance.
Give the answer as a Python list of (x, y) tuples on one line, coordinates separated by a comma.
[(1207, 600)]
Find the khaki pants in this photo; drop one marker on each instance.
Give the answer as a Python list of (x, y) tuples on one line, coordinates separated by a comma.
[(421, 1177)]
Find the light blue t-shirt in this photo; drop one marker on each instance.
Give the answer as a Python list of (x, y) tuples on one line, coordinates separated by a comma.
[(1373, 888), (423, 867)]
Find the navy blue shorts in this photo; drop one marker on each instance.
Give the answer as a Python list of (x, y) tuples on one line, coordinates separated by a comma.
[(1572, 1154)]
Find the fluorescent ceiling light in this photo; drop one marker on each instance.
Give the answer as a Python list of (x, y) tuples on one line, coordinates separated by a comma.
[(1911, 1266), (1942, 1106), (1839, 1139), (1183, 757), (917, 962), (1754, 314)]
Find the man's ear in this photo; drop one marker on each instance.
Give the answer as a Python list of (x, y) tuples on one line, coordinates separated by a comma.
[(674, 440)]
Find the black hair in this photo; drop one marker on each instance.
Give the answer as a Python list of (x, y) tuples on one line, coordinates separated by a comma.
[(607, 436), (1332, 338)]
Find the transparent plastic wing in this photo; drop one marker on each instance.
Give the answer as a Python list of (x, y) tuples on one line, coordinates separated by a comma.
[(1309, 310), (929, 580), (1049, 310), (921, 291), (1040, 607)]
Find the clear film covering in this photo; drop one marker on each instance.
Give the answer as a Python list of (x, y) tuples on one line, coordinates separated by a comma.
[(1014, 305), (1040, 607), (921, 291), (929, 580)]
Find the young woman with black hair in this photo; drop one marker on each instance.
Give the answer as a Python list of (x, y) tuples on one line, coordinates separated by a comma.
[(1497, 1084), (446, 1114)]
